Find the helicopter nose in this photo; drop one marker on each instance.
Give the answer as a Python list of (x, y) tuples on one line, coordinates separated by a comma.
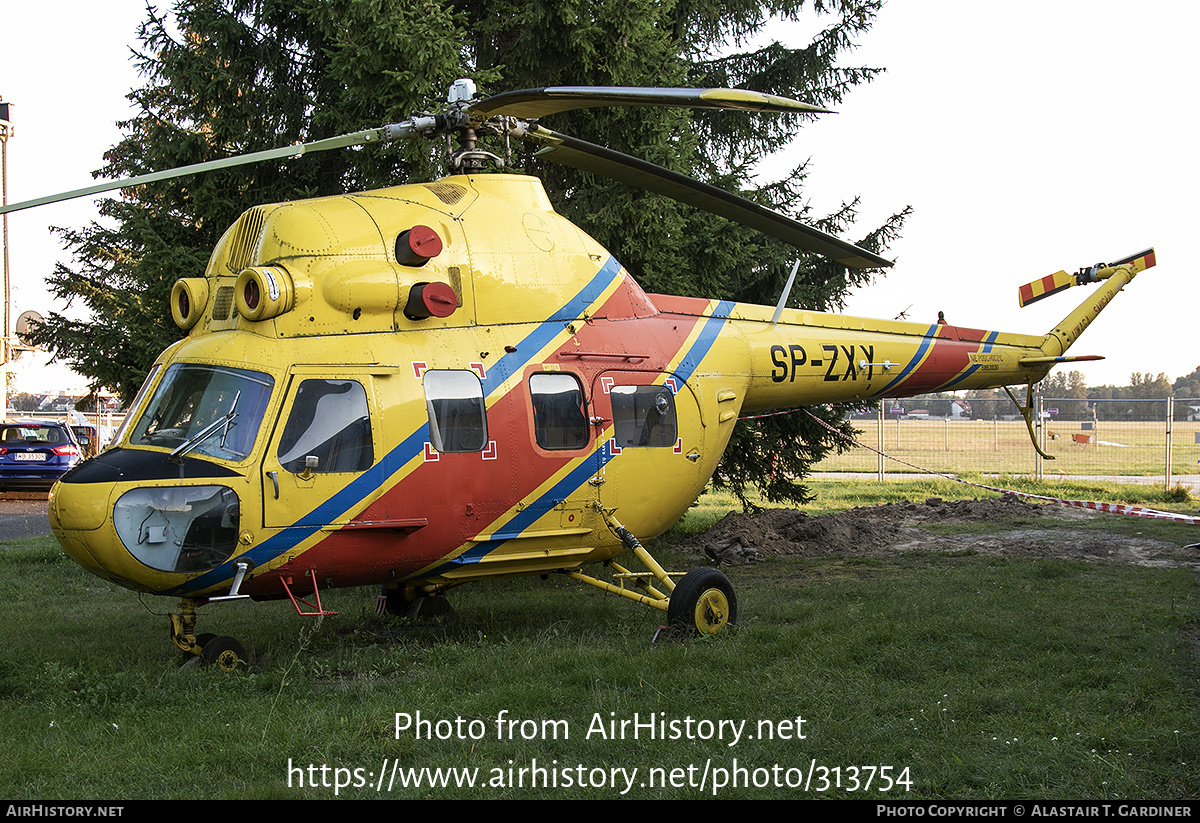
[(77, 515), (77, 507), (146, 537)]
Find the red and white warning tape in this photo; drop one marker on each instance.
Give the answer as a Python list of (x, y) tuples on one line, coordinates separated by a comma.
[(1111, 508)]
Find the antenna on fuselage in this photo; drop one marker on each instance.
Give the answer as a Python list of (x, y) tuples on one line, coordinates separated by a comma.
[(787, 292)]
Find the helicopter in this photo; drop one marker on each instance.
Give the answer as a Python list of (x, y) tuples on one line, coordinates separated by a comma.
[(423, 386)]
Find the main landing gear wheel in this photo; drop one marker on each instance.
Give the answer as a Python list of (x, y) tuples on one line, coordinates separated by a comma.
[(398, 604), (223, 652), (395, 602), (703, 602)]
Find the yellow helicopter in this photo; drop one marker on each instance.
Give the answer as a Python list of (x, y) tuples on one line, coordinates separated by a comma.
[(422, 386)]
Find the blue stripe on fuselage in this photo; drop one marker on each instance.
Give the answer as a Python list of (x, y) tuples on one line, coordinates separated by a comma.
[(374, 478), (926, 342), (987, 346), (595, 461)]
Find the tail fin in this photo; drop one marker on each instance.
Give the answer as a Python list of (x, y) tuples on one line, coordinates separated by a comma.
[(1115, 275)]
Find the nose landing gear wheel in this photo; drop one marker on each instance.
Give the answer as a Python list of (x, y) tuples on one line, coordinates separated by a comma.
[(703, 602), (223, 652)]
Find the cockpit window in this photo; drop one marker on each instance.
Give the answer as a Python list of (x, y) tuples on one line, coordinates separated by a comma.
[(136, 404), (192, 397)]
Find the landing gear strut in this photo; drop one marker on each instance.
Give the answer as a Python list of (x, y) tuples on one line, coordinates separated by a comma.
[(702, 602), (225, 653), (399, 602)]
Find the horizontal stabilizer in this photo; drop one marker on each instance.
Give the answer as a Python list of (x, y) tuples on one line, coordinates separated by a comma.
[(1062, 358)]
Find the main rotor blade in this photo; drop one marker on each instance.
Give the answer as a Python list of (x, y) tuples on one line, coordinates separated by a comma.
[(355, 139), (589, 157), (532, 103)]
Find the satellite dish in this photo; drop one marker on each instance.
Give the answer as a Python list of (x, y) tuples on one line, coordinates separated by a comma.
[(24, 322)]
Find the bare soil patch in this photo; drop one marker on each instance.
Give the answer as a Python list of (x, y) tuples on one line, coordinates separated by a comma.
[(1022, 529)]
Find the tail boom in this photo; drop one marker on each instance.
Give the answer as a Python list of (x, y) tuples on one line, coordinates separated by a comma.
[(807, 358), (803, 364), (776, 359)]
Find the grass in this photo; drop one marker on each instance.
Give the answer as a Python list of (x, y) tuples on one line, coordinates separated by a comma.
[(982, 677)]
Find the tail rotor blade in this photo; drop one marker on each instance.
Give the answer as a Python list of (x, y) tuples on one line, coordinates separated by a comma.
[(1141, 261), (1046, 286)]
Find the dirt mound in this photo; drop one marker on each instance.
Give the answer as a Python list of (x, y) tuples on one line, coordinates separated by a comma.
[(1023, 529), (788, 532)]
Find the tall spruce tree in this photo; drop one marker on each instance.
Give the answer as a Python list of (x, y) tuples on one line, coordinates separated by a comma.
[(225, 77)]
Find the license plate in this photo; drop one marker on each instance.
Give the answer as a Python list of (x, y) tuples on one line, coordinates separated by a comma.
[(31, 456)]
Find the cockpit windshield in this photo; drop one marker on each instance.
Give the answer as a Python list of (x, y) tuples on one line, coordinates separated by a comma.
[(194, 396)]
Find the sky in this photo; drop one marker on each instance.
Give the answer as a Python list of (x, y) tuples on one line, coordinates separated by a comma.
[(1027, 137)]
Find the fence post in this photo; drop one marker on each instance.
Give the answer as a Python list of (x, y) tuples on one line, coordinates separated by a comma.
[(1038, 437), (879, 457), (1170, 417)]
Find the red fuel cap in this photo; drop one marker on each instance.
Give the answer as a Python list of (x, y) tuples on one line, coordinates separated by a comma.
[(430, 300), (417, 246)]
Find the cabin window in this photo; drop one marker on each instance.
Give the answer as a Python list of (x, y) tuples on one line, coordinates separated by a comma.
[(559, 421), (330, 422), (643, 415), (457, 421), (215, 410)]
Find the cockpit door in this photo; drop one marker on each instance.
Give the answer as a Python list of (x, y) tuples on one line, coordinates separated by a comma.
[(322, 444)]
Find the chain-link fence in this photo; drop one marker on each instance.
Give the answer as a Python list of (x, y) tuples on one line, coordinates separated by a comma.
[(1155, 440)]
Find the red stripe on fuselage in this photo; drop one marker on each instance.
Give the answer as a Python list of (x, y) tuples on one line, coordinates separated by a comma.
[(948, 356), (462, 495)]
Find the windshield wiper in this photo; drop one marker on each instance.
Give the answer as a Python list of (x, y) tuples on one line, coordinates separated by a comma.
[(221, 424)]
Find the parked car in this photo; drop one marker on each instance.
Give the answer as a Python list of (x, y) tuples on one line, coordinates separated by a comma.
[(34, 454), (91, 438)]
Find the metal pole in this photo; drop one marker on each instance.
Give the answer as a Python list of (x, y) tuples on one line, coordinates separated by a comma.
[(1041, 440), (5, 343), (1170, 417), (880, 427)]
